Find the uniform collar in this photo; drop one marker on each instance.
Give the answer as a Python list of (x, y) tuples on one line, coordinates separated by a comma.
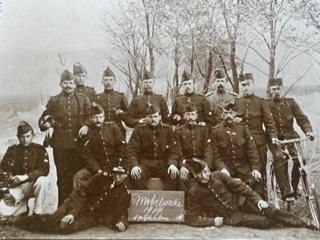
[(108, 91), (147, 93)]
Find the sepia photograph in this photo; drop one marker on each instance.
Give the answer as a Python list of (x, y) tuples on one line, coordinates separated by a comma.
[(159, 119)]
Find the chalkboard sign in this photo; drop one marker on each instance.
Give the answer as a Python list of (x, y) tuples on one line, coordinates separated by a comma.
[(156, 206)]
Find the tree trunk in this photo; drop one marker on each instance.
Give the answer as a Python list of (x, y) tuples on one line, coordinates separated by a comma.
[(208, 73), (234, 67)]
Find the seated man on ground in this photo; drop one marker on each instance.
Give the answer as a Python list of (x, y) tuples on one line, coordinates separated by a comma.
[(213, 201), (104, 198), (24, 169)]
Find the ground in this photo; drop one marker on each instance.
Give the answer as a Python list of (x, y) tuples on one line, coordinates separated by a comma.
[(9, 122)]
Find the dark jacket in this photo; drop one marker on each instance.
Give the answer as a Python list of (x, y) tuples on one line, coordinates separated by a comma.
[(148, 143), (284, 112), (202, 105), (215, 199), (255, 113), (194, 142), (69, 116), (111, 100), (102, 147), (234, 147), (103, 200), (138, 106), (85, 90), (31, 160)]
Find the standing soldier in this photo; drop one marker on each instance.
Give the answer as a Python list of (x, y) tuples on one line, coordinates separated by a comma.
[(80, 76), (220, 96), (137, 109), (153, 152), (284, 111), (66, 116), (193, 141), (205, 116), (255, 112), (115, 104)]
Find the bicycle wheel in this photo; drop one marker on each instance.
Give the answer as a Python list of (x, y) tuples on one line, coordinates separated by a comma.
[(274, 190), (311, 197)]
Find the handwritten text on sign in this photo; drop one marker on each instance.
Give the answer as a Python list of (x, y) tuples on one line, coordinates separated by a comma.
[(156, 206)]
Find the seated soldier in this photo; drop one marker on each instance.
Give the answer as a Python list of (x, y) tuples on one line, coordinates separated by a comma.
[(152, 152), (102, 148), (212, 201), (104, 198), (234, 150), (26, 165), (193, 141)]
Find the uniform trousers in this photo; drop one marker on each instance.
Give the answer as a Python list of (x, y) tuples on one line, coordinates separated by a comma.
[(68, 162), (37, 189)]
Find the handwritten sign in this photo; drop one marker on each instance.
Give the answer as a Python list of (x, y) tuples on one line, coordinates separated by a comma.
[(156, 206)]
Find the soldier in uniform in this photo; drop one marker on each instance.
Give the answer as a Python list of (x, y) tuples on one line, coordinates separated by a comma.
[(137, 110), (220, 96), (255, 112), (66, 115), (284, 111), (193, 141), (103, 199), (115, 104), (102, 148), (234, 150), (27, 166), (153, 152), (80, 76), (213, 202), (201, 103)]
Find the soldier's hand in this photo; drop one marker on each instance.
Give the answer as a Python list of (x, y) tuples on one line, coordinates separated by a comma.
[(143, 120), (49, 132), (237, 119), (66, 220), (118, 111), (225, 171), (121, 226), (310, 135), (136, 172), (274, 140), (83, 131), (256, 174), (47, 125), (177, 117), (218, 221), (173, 171), (184, 171), (262, 204), (9, 199)]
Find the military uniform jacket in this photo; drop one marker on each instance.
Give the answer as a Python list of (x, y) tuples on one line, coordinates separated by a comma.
[(234, 148), (111, 100), (138, 106), (31, 160), (70, 113), (202, 105), (103, 200), (193, 142), (103, 147), (284, 111), (85, 90), (255, 113), (217, 101), (218, 198), (152, 143)]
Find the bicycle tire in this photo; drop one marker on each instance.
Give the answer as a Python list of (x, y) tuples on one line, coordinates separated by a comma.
[(276, 200), (311, 198)]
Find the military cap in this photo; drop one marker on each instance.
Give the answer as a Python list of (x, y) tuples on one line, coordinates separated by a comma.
[(275, 82), (118, 169), (147, 75), (108, 73), (96, 109), (246, 76), (186, 76), (219, 74), (241, 77), (198, 164), (66, 76), (229, 106), (78, 68), (190, 107), (152, 108), (23, 128)]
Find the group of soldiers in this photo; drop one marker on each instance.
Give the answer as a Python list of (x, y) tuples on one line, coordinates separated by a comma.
[(220, 139)]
